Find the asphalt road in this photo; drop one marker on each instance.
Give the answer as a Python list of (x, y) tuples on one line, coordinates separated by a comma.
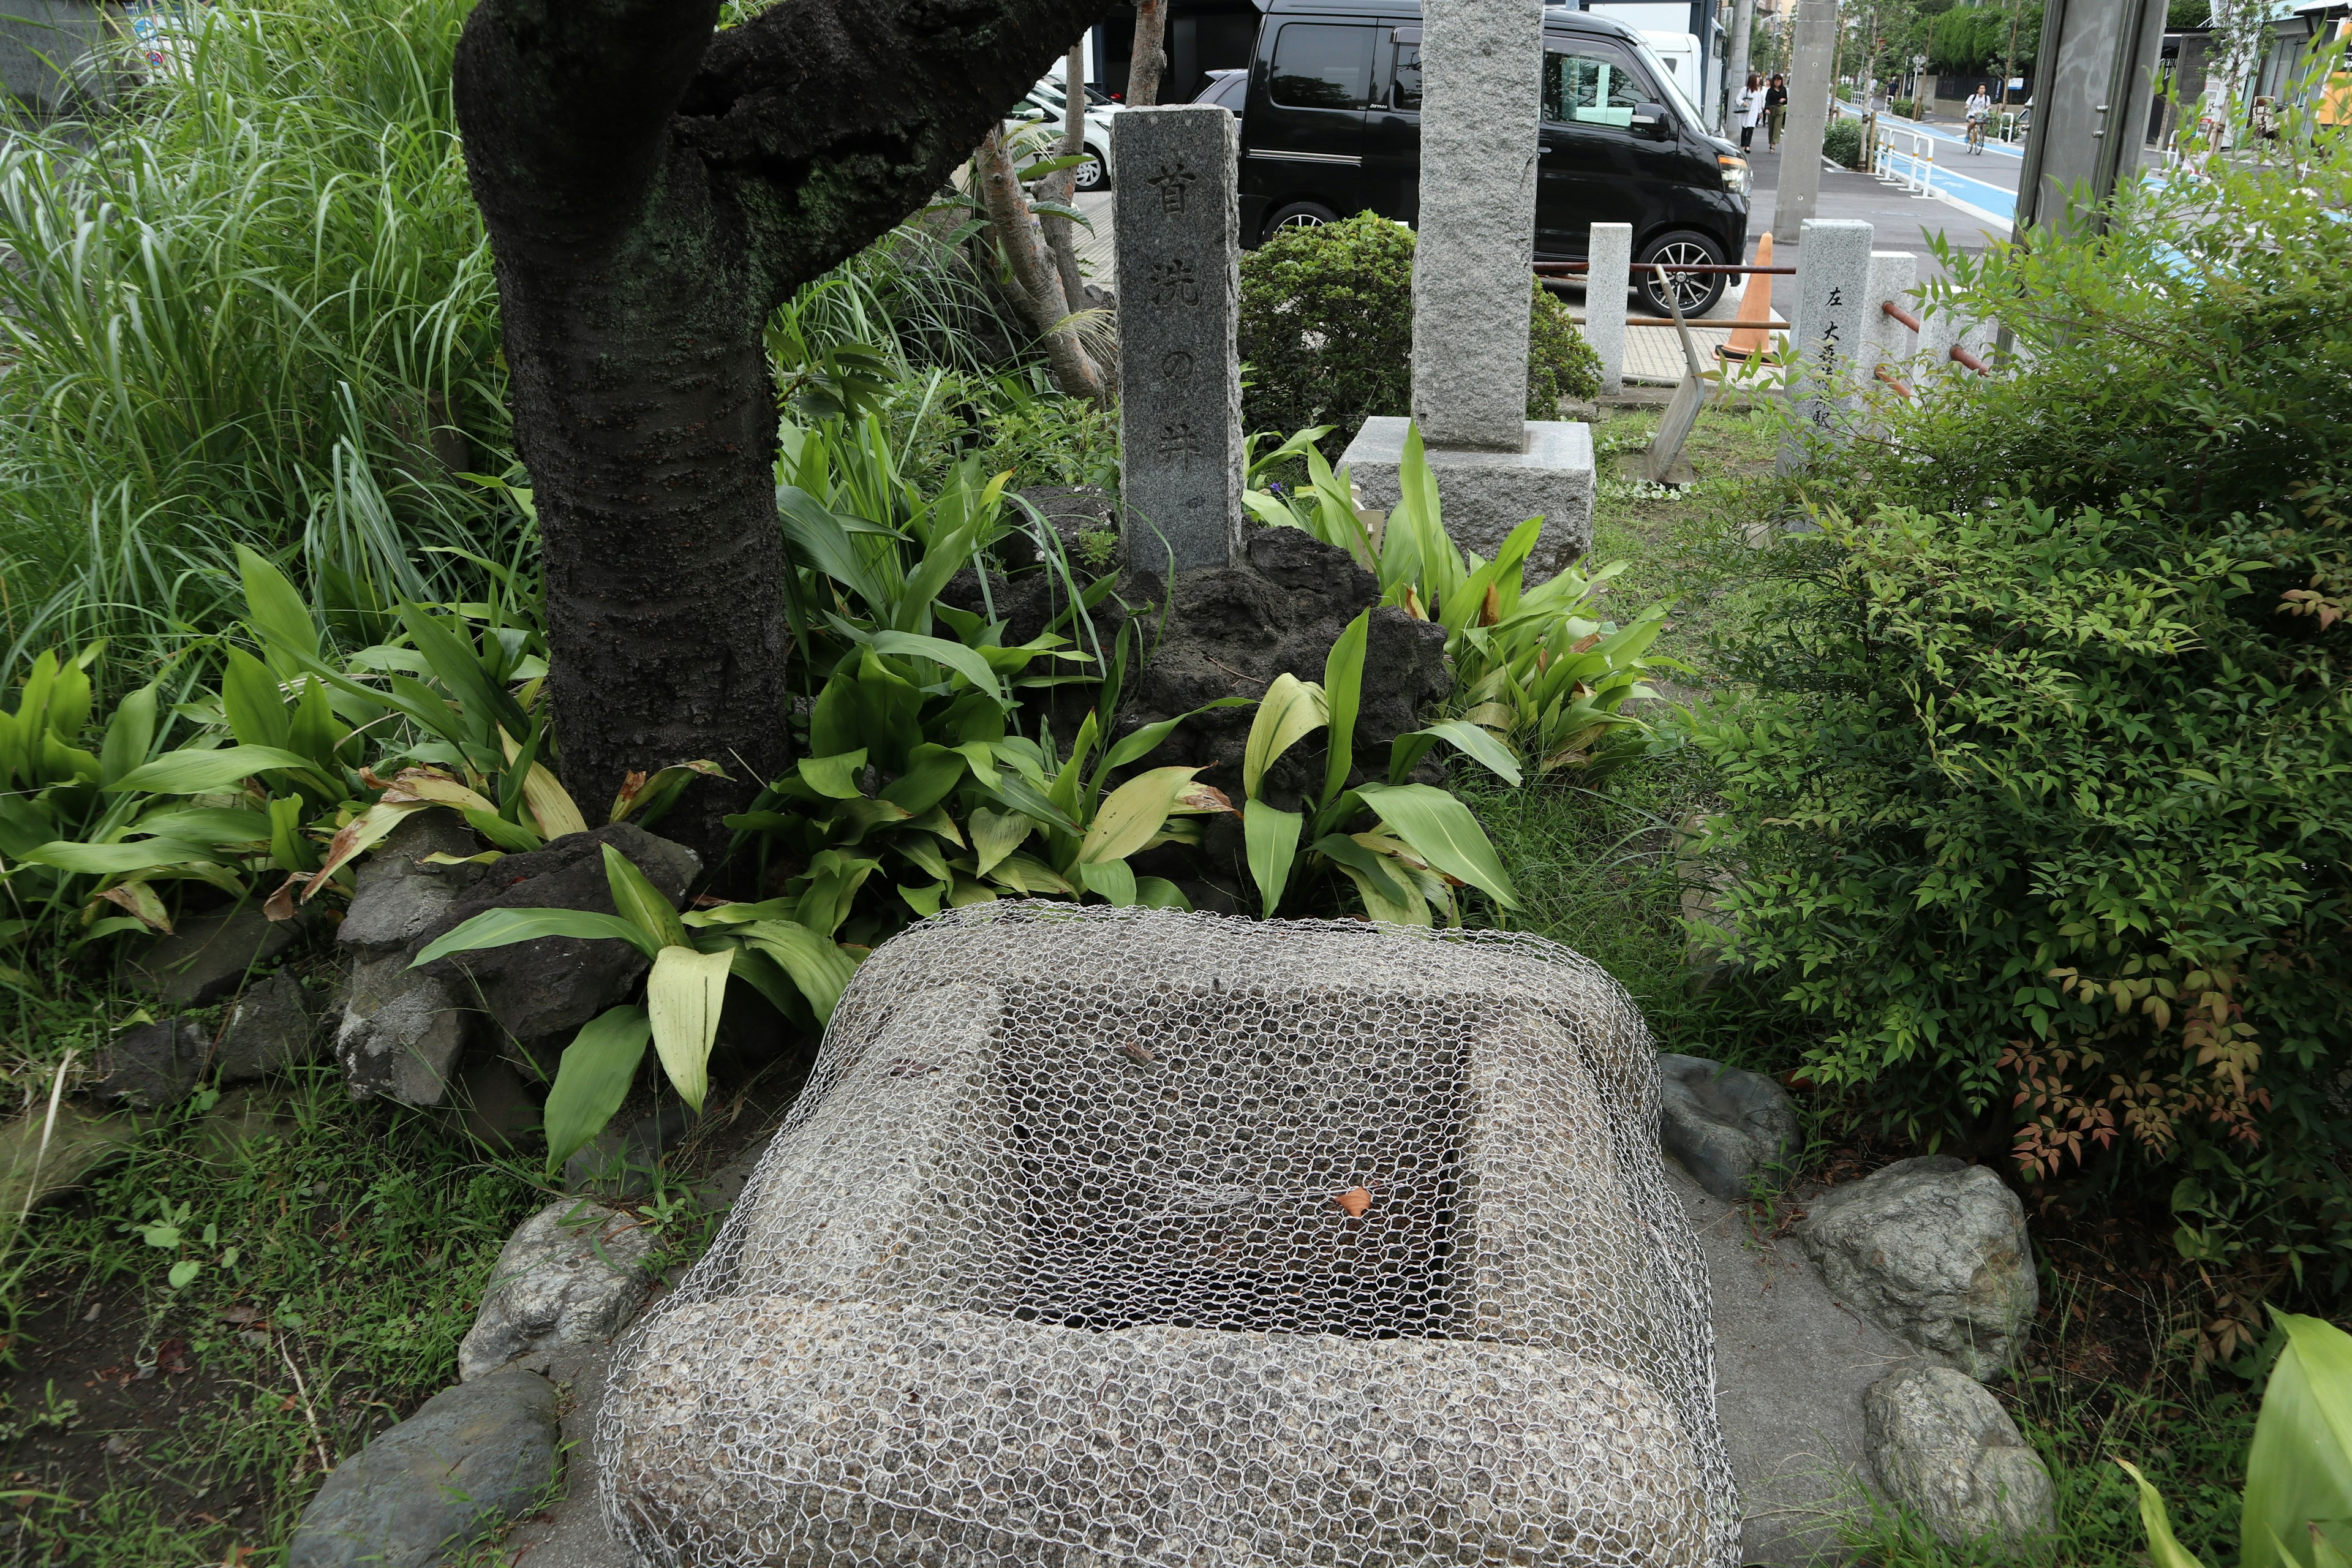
[(1903, 220)]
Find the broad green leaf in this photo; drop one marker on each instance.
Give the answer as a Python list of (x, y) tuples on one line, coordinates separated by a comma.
[(1027, 798), (511, 837), (1442, 831), (816, 964), (206, 824), (500, 928), (118, 859), (925, 900), (965, 661), (995, 835), (923, 851), (931, 773), (1131, 814), (1394, 886), (129, 735), (1343, 686), (1147, 740), (287, 849), (835, 777), (1160, 893), (1479, 746), (819, 540), (208, 772), (1378, 906), (1027, 874), (2299, 1468), (593, 1078), (1111, 879), (1291, 710), (450, 650), (315, 732), (2166, 1552), (641, 904), (1272, 838), (683, 996), (279, 616)]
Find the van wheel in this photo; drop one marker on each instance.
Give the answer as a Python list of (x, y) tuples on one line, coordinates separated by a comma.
[(1695, 292), (1092, 174), (1299, 215)]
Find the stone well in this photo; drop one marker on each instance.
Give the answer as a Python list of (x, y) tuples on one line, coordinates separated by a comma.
[(1130, 1236)]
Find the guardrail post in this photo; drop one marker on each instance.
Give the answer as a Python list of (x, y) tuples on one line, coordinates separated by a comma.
[(1608, 277)]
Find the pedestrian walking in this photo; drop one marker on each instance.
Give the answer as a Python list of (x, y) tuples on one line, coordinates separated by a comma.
[(1776, 111), (1751, 110)]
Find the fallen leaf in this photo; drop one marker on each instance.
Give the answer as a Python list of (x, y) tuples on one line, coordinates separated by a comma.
[(240, 1314), (1355, 1200), (1140, 1051)]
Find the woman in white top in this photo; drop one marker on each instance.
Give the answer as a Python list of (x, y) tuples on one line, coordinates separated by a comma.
[(1980, 112), (1750, 109)]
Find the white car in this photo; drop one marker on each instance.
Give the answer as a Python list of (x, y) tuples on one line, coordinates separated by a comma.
[(1046, 104)]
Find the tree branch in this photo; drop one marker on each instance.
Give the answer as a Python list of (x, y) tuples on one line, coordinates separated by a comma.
[(828, 121)]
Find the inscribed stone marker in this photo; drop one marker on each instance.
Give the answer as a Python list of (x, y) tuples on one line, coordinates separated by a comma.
[(1833, 283), (1180, 387)]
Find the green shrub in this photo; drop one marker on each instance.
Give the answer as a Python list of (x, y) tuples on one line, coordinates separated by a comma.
[(1327, 332), (1841, 143), (2045, 802), (1976, 37)]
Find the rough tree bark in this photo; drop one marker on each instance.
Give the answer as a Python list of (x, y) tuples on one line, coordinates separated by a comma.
[(654, 189), (1035, 277), (1148, 58), (1064, 188)]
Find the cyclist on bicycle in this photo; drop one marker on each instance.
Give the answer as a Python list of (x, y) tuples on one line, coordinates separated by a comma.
[(1979, 115)]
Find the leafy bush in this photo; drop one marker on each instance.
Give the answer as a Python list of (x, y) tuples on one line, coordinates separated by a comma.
[(1327, 332), (2045, 801), (1841, 143)]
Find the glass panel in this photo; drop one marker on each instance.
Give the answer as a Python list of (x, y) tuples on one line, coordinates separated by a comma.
[(1404, 88), (1589, 89), (1322, 68)]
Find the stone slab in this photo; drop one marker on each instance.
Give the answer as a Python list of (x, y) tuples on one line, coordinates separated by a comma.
[(1482, 80), (1826, 339), (1483, 496), (1791, 1365), (1180, 385)]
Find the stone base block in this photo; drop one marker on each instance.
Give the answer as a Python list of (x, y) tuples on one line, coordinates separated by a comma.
[(1483, 496)]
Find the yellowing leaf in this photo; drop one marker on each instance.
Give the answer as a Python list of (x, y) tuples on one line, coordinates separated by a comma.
[(360, 834), (995, 835), (640, 902), (683, 996), (1291, 710), (1131, 814)]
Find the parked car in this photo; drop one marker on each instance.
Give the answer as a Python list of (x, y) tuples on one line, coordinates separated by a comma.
[(1046, 102), (1226, 89), (1331, 125)]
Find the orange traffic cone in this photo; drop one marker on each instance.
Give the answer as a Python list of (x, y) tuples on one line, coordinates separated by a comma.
[(1755, 305)]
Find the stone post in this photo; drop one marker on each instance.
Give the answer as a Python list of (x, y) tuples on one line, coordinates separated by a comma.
[(1825, 339), (1811, 59), (1481, 101), (1608, 279), (1473, 283), (1180, 389)]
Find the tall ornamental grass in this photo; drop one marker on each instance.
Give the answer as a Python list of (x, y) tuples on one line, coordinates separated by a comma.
[(250, 304)]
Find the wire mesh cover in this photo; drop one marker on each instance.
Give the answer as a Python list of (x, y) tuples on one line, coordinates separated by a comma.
[(1125, 1236)]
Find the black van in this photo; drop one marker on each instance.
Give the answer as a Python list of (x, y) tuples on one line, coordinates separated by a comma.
[(1332, 127)]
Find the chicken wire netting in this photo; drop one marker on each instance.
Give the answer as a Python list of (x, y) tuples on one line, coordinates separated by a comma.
[(1126, 1237)]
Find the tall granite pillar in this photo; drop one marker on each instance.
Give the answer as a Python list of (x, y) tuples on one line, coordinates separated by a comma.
[(1180, 385), (1482, 84), (1813, 57)]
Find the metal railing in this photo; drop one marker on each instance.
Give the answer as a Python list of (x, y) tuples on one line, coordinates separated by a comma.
[(1912, 167)]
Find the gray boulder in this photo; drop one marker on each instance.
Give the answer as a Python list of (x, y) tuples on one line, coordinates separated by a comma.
[(1936, 1251), (153, 1065), (1724, 1124), (401, 1033), (473, 1457), (273, 1026), (206, 956), (567, 1280), (1944, 1448), (539, 993)]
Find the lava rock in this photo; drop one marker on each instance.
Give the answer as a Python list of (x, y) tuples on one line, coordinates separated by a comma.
[(400, 1034), (539, 993), (272, 1027), (1724, 1124), (1936, 1251), (1072, 511), (1944, 1448), (473, 1457), (1230, 632), (567, 1279), (618, 1162), (153, 1065), (493, 1102), (206, 956)]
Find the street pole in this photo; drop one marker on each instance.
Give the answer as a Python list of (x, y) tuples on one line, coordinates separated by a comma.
[(1812, 79), (2009, 60), (1735, 69)]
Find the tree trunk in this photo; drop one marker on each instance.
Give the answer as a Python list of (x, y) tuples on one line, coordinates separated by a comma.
[(1148, 59), (1063, 187), (652, 190), (1034, 274)]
